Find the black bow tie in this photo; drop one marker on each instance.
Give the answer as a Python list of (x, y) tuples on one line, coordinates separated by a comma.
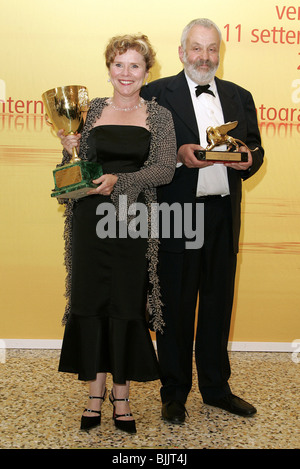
[(203, 89)]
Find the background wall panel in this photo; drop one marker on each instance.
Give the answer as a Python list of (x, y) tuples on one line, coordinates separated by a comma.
[(44, 45)]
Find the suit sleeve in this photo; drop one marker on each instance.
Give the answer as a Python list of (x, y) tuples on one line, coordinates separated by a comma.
[(253, 140)]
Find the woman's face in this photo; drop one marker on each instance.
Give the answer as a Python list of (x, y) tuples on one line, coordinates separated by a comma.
[(127, 73)]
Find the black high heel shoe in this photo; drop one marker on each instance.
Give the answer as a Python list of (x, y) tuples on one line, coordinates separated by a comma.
[(125, 425), (93, 421)]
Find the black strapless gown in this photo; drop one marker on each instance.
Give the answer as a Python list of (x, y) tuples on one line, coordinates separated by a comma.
[(106, 330)]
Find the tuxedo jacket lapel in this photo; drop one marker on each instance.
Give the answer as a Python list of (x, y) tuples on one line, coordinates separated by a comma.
[(226, 95), (179, 100), (231, 108)]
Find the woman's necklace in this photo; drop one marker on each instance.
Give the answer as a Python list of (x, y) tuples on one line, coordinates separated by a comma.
[(125, 109)]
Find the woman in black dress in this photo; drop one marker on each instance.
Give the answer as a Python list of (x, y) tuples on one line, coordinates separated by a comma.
[(112, 277)]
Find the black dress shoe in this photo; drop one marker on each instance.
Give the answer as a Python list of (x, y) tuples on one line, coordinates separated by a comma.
[(232, 404), (173, 412), (92, 421), (125, 425)]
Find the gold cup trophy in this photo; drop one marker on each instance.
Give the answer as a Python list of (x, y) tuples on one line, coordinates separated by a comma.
[(66, 108), (218, 136)]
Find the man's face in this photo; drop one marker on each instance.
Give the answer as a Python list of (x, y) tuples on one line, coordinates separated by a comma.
[(201, 55)]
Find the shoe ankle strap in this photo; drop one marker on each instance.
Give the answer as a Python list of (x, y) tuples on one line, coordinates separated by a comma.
[(113, 399), (99, 397), (94, 411)]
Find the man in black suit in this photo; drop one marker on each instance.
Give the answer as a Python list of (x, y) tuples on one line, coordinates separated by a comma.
[(209, 270)]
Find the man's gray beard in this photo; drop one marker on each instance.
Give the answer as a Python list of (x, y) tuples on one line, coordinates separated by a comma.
[(201, 78)]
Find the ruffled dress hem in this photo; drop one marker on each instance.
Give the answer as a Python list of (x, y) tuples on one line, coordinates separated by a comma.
[(121, 347)]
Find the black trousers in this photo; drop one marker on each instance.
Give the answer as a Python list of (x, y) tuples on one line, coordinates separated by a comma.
[(206, 275)]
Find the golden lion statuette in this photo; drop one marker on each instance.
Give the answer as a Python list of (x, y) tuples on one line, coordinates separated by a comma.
[(217, 136)]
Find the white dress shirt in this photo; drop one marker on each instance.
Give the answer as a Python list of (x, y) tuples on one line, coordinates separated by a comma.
[(212, 180)]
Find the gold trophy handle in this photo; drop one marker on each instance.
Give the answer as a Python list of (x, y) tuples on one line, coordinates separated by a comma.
[(47, 120)]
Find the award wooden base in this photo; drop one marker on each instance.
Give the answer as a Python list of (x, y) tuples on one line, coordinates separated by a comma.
[(221, 156), (73, 181)]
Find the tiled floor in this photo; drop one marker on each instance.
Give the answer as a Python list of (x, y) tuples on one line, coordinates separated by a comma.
[(41, 408)]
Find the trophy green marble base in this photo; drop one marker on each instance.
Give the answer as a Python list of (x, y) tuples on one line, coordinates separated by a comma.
[(74, 181)]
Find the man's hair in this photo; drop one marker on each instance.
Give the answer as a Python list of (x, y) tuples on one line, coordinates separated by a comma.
[(205, 22)]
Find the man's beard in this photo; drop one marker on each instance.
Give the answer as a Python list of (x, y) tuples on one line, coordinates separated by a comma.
[(202, 78)]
